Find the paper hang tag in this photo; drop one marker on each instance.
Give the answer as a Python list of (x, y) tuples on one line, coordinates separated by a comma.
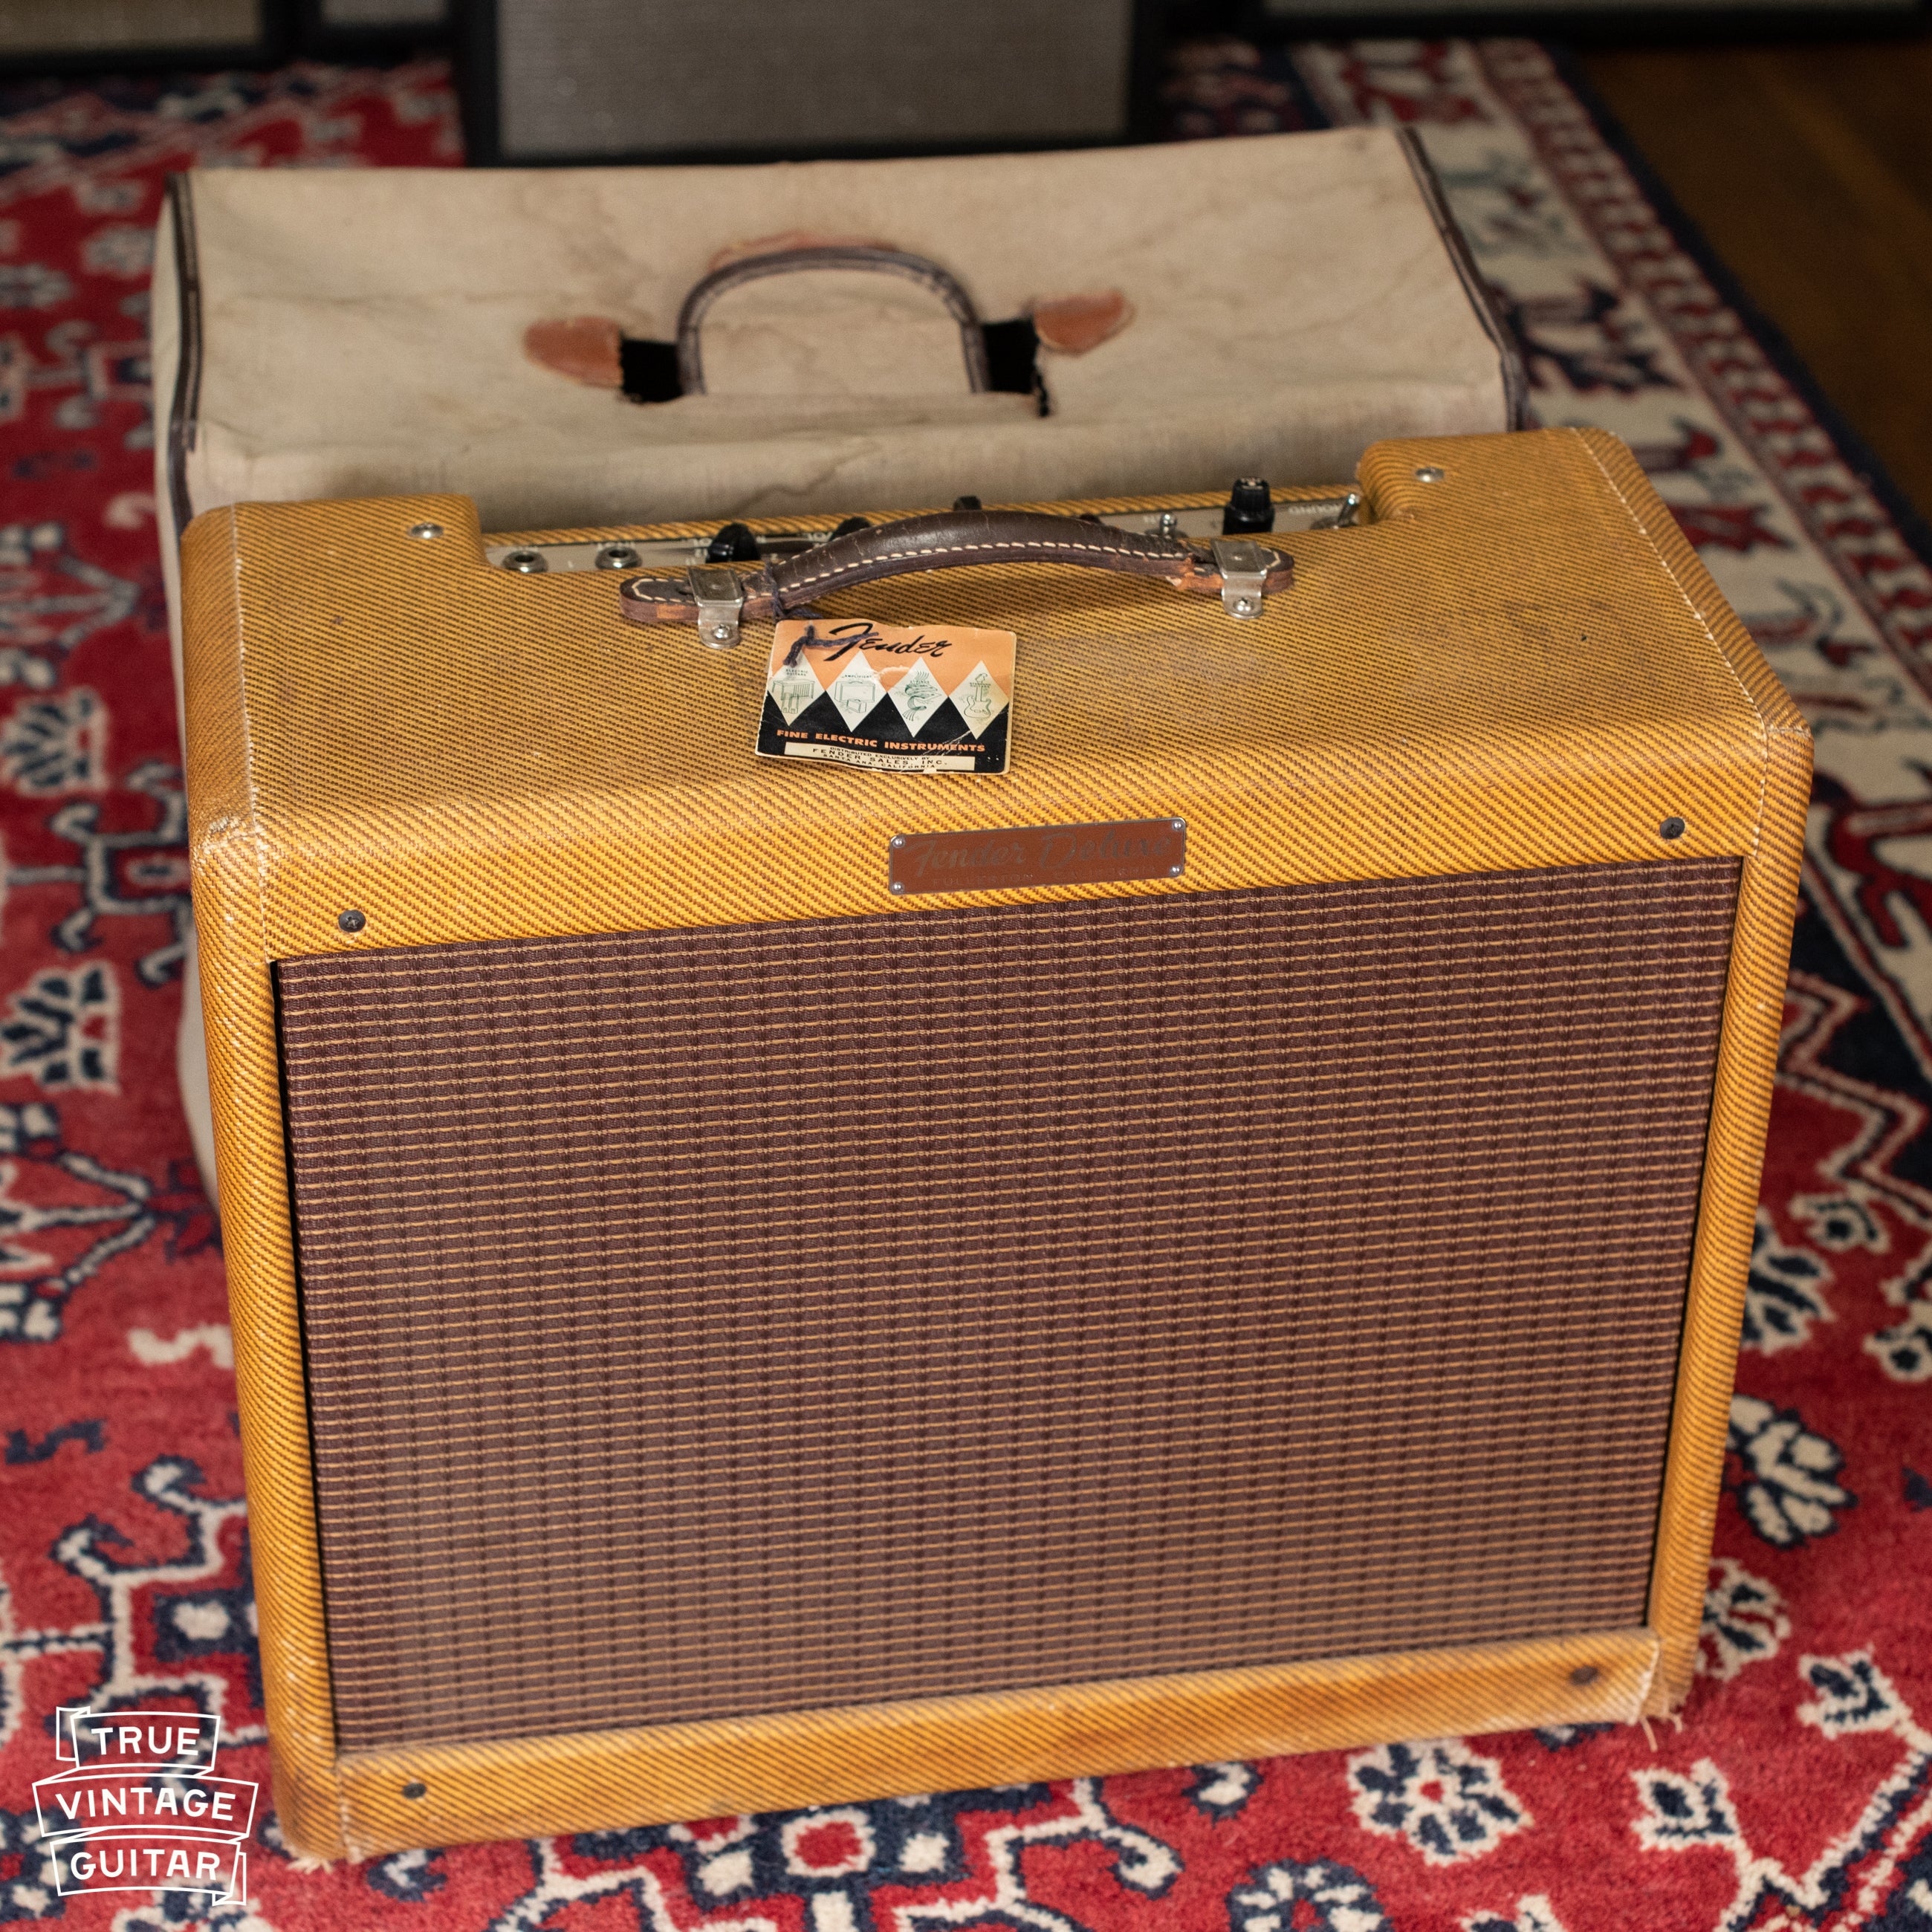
[(889, 697)]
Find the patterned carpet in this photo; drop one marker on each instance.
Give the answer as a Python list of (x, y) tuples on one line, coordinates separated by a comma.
[(1797, 1792)]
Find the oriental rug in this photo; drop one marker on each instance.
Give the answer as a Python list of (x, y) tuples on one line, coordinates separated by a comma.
[(1797, 1790)]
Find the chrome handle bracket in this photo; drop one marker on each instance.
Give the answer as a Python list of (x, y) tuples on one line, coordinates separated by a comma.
[(1243, 566), (719, 595)]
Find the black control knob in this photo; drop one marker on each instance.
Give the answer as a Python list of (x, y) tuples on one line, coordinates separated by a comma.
[(1250, 509), (734, 544)]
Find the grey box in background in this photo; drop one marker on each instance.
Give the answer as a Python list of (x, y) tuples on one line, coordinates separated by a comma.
[(588, 80), (358, 16), (55, 36)]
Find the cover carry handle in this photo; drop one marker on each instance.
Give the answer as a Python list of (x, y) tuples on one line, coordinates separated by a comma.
[(929, 276), (1233, 570)]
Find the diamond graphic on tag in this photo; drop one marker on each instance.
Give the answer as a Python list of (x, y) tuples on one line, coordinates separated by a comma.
[(856, 689), (918, 696), (978, 699), (793, 688)]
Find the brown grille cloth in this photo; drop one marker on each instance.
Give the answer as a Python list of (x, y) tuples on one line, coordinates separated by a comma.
[(783, 1315)]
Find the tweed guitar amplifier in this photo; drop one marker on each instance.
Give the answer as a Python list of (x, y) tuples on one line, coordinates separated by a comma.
[(760, 1279)]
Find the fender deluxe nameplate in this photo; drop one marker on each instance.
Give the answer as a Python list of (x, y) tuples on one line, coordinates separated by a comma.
[(1037, 855)]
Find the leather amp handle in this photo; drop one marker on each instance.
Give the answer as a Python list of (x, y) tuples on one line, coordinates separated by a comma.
[(952, 539)]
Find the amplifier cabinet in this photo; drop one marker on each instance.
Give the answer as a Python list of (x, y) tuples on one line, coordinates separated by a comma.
[(582, 81), (759, 1282), (38, 37)]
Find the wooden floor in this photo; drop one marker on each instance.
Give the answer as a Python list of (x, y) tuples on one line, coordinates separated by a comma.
[(1809, 168)]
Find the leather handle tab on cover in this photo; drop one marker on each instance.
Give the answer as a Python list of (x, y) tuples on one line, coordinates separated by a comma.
[(950, 540)]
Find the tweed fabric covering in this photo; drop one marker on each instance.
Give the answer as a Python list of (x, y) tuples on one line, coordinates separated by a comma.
[(1795, 1788), (421, 689), (346, 744)]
